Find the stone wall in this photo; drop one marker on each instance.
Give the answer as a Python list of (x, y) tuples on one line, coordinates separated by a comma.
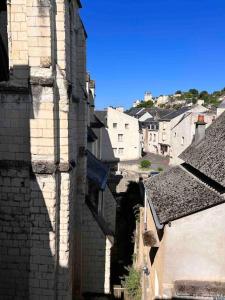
[(42, 161), (109, 207), (14, 232), (96, 256)]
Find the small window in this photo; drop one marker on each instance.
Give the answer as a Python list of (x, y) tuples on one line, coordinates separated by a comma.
[(121, 151), (120, 137), (182, 141), (154, 138), (114, 125), (126, 126), (175, 134)]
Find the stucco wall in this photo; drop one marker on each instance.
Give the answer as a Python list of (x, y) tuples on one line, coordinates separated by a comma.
[(192, 248), (131, 137), (198, 244), (182, 135)]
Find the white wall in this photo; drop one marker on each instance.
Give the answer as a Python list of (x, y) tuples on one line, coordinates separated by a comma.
[(164, 136), (182, 135), (198, 244), (130, 142), (192, 248), (151, 140)]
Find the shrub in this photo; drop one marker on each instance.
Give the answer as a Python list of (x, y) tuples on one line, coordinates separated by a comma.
[(132, 283), (160, 169), (145, 164)]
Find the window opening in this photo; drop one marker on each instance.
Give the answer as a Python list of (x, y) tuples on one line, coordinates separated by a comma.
[(4, 57)]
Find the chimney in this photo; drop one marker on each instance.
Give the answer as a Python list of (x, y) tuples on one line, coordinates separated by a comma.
[(199, 130)]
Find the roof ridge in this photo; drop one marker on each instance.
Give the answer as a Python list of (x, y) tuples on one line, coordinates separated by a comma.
[(201, 181)]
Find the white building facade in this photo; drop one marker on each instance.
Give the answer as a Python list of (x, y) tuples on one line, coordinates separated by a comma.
[(123, 134)]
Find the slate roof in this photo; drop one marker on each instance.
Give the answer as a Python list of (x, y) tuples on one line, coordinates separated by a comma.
[(209, 155), (102, 116), (95, 122), (91, 136), (176, 193), (174, 114), (154, 111), (163, 112), (133, 111)]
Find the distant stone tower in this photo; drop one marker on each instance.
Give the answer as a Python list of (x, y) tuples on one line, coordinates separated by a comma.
[(148, 97), (43, 138)]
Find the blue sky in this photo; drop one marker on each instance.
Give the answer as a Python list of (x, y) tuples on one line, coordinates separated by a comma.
[(157, 45)]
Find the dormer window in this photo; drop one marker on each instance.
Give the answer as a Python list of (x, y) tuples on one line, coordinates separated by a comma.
[(4, 57)]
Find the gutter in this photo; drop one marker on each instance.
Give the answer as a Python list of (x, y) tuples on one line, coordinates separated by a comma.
[(158, 225)]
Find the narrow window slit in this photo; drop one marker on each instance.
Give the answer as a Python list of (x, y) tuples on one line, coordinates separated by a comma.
[(4, 57)]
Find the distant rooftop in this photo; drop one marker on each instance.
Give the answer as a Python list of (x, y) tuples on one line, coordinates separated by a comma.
[(175, 114), (209, 155)]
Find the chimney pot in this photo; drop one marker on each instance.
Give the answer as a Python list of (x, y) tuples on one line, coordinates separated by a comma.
[(201, 119)]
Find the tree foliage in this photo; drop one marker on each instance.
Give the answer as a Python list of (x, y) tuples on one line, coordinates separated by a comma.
[(146, 104), (132, 283), (145, 164)]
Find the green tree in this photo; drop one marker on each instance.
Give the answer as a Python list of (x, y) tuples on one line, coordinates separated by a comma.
[(132, 283), (193, 92), (178, 92), (146, 104), (145, 164)]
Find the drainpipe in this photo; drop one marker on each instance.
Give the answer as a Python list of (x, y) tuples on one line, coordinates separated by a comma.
[(56, 141), (145, 213), (159, 226)]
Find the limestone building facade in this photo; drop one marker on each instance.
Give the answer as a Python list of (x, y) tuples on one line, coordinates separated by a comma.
[(122, 136), (43, 137)]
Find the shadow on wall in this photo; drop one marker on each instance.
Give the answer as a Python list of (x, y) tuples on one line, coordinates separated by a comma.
[(107, 149), (127, 215), (29, 207)]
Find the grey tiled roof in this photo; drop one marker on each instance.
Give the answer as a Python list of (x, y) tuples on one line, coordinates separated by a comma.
[(209, 155), (176, 193), (175, 114), (102, 116), (95, 122), (154, 111)]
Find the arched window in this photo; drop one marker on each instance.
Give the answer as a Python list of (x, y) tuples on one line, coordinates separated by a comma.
[(4, 58)]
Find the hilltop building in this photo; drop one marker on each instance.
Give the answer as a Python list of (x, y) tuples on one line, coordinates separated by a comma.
[(148, 97)]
